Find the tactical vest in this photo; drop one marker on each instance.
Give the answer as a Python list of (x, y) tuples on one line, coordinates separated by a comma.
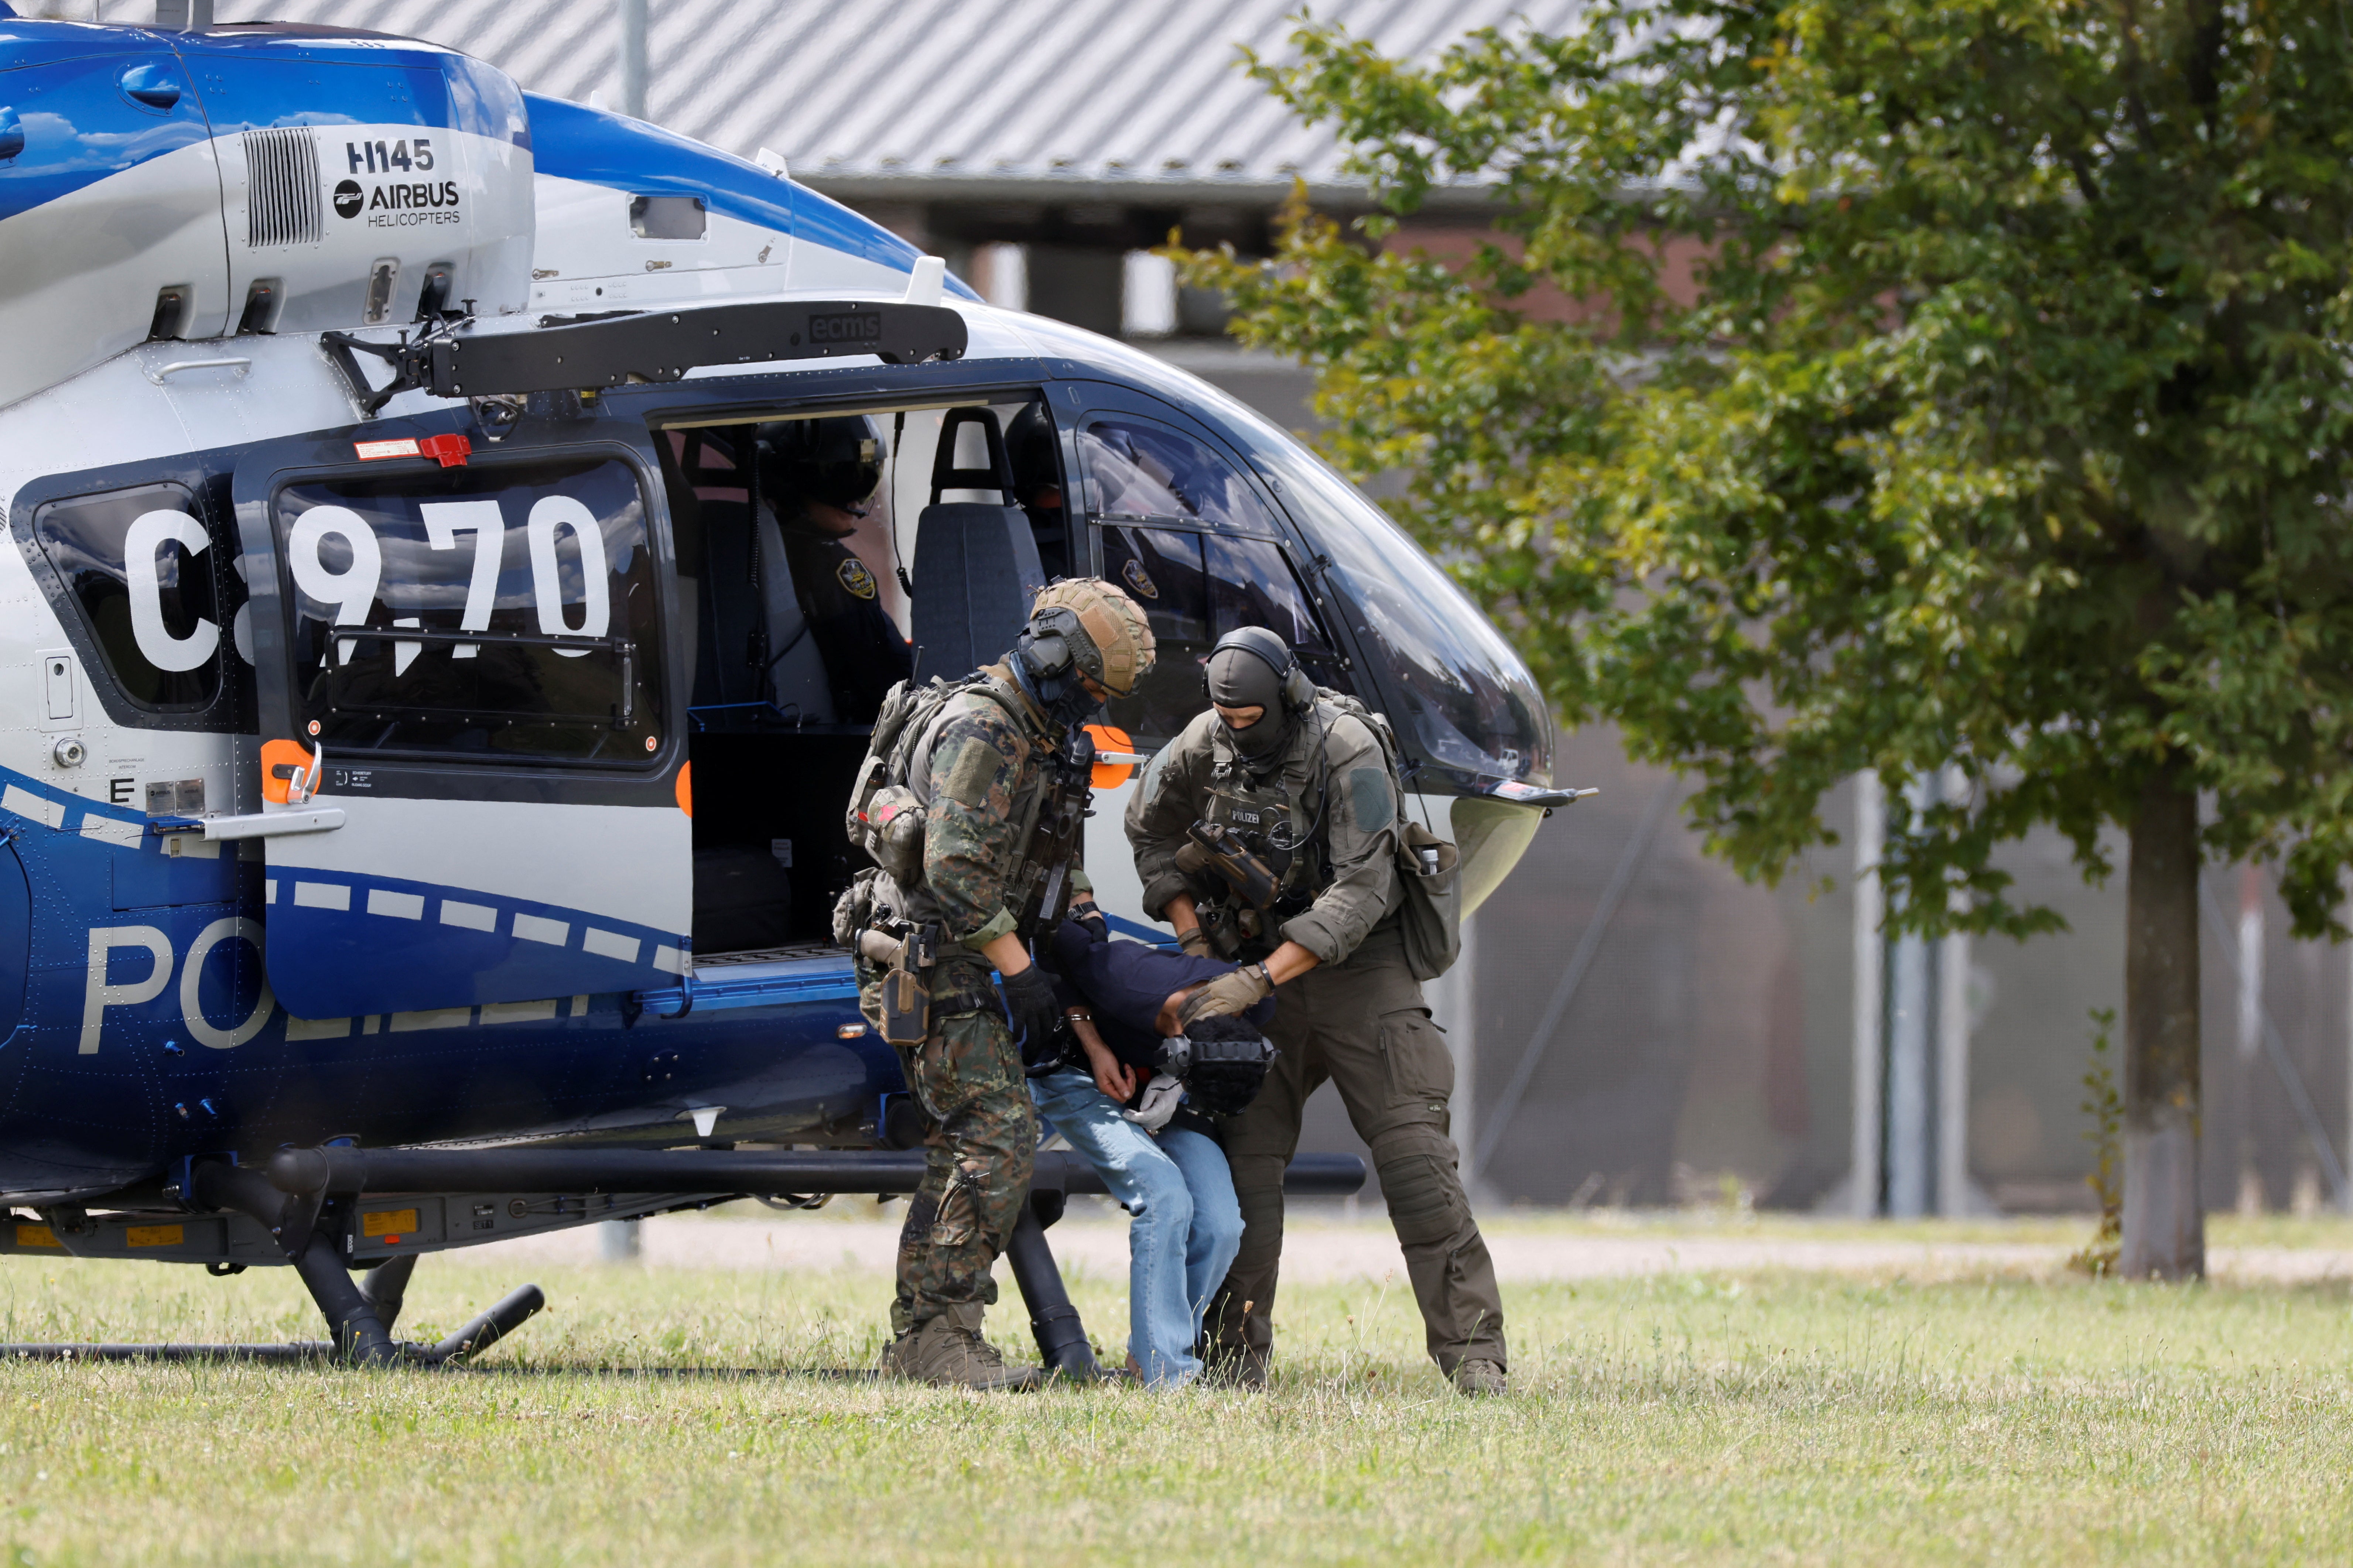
[(898, 783), (1280, 816)]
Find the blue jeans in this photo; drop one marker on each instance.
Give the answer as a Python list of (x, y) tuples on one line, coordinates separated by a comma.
[(1187, 1226)]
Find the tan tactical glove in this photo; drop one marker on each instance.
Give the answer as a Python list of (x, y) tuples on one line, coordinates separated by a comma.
[(1195, 942), (1227, 995)]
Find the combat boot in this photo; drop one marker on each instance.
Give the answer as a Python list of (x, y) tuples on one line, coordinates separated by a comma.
[(944, 1354), (1232, 1366), (1480, 1379)]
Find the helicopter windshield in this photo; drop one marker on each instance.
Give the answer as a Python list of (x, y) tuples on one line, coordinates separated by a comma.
[(1472, 704), (1461, 697)]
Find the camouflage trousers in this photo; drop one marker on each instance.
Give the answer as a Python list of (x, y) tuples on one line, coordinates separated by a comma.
[(982, 1143)]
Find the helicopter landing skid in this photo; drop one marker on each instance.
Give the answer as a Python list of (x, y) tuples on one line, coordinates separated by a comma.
[(479, 1335), (359, 1316)]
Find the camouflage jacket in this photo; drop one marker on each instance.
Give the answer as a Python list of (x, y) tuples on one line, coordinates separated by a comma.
[(1335, 778), (981, 775)]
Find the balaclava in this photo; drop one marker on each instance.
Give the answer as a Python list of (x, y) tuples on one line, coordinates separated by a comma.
[(1246, 671)]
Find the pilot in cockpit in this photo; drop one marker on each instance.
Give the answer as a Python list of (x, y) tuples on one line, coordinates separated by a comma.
[(820, 476), (1029, 447)]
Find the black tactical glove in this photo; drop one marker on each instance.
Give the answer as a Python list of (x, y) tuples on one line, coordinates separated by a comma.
[(1036, 1014), (1090, 917)]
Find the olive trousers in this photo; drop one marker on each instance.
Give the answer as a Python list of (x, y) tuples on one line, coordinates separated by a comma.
[(1363, 1026)]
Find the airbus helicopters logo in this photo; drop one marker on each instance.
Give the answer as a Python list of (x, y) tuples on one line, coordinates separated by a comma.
[(394, 204)]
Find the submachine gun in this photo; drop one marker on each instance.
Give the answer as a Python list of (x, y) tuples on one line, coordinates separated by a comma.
[(1248, 872), (1062, 827)]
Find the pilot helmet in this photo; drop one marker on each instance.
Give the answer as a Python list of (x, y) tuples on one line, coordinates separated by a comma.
[(1030, 449), (836, 462), (1082, 626)]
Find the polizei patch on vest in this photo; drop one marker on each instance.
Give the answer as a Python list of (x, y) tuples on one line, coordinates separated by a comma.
[(855, 578)]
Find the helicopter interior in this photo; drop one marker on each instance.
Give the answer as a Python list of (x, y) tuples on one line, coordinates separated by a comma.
[(823, 557)]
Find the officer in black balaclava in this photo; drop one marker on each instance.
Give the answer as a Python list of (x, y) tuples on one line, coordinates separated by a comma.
[(1286, 771), (1246, 674), (820, 476)]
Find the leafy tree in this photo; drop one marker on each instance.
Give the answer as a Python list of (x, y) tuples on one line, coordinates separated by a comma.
[(1871, 384)]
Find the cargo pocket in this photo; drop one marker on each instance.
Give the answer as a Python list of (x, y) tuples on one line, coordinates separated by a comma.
[(959, 1219), (1416, 1068)]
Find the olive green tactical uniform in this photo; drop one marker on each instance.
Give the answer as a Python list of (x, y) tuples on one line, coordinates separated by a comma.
[(1358, 1019), (981, 775)]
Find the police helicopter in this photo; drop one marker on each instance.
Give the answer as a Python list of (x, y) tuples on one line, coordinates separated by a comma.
[(422, 772)]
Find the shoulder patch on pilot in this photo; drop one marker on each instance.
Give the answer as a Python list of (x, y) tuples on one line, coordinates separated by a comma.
[(1368, 798), (1135, 576), (855, 578)]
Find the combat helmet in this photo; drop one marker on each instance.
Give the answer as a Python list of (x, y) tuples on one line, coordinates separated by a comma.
[(1101, 632)]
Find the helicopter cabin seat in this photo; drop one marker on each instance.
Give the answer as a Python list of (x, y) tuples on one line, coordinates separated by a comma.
[(977, 564)]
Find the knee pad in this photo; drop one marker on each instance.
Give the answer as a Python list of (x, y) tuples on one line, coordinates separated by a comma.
[(1425, 1198)]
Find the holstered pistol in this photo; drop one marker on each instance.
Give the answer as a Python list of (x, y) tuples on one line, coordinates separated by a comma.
[(906, 1005)]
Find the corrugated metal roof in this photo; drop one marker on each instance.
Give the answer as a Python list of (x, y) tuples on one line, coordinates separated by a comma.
[(1090, 99)]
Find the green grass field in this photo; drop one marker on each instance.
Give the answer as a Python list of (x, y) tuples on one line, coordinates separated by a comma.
[(653, 1417)]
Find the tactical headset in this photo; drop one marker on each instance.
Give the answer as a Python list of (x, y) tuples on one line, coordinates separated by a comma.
[(1048, 665), (1298, 689), (1048, 642)]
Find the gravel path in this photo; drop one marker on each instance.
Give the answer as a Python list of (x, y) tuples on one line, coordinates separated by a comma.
[(1334, 1252)]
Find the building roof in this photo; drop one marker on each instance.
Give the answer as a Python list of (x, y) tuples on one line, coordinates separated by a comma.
[(1125, 101)]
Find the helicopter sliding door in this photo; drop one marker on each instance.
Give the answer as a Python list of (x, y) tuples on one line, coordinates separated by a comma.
[(473, 793)]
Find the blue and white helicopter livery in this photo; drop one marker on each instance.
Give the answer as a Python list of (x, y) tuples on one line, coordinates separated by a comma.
[(423, 753)]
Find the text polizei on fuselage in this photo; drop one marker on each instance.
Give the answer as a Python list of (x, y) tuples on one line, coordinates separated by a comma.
[(394, 204)]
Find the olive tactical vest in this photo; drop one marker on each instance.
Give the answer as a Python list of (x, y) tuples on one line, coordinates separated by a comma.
[(1282, 818)]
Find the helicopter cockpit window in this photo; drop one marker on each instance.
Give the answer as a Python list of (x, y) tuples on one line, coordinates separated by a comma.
[(1191, 543), (1194, 588), (135, 561), (501, 610), (1467, 705), (1143, 472)]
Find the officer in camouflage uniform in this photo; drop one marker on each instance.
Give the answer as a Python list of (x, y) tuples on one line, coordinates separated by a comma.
[(1277, 761), (981, 772)]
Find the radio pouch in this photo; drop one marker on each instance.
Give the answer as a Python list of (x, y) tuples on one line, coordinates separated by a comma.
[(1431, 918)]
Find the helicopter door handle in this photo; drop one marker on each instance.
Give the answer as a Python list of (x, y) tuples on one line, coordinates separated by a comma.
[(238, 363), (302, 783)]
